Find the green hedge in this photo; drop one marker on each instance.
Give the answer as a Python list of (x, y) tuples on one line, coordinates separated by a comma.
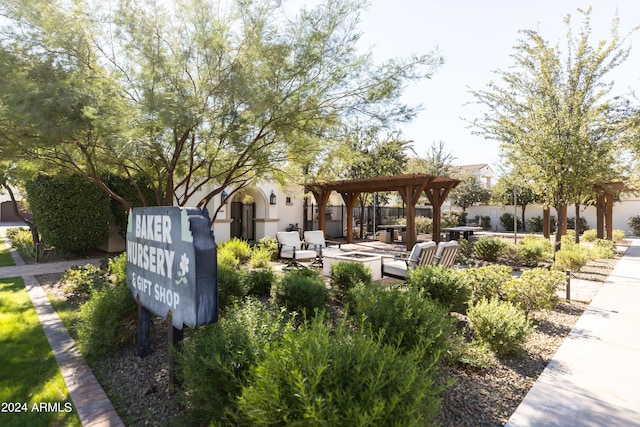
[(71, 213)]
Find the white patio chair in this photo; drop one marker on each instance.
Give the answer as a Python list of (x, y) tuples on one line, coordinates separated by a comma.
[(290, 248), (314, 240), (398, 268), (447, 253)]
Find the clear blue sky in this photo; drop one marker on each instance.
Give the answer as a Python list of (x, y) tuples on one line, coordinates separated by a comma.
[(476, 37)]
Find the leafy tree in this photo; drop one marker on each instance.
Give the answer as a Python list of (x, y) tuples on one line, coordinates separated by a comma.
[(188, 96), (502, 193), (554, 117), (437, 161), (469, 191), (367, 153)]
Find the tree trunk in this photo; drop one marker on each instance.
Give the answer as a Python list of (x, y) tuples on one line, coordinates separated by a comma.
[(35, 236), (524, 226), (361, 217), (577, 224), (559, 227)]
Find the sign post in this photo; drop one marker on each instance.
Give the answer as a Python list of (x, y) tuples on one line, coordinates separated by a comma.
[(171, 268)]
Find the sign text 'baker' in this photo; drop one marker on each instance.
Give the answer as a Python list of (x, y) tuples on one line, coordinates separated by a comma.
[(150, 257)]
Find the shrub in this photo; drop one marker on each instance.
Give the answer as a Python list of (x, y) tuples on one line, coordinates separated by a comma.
[(80, 281), (499, 324), (535, 289), (317, 376), (215, 360), (230, 286), (240, 249), (22, 241), (260, 257), (618, 236), (441, 284), (590, 235), (506, 220), (259, 282), (107, 320), (486, 282), (535, 224), (488, 248), (485, 222), (634, 223), (603, 248), (532, 250), (117, 269), (405, 317), (424, 225), (450, 218), (571, 223), (567, 259), (71, 213), (301, 290), (227, 258), (346, 275), (270, 244)]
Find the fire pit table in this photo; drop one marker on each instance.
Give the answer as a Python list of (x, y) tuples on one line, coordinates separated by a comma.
[(369, 260)]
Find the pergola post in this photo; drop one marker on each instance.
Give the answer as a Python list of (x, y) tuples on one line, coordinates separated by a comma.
[(322, 198), (437, 196), (410, 195), (350, 199)]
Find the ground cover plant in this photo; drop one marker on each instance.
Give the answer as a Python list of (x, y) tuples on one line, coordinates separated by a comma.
[(29, 375)]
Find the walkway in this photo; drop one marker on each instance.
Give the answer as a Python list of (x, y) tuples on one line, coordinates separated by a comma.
[(593, 378), (89, 399)]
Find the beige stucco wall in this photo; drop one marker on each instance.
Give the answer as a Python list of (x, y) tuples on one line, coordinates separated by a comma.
[(622, 211)]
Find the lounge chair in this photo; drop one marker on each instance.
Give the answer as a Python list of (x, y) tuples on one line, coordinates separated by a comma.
[(447, 253), (290, 248), (421, 254), (314, 239)]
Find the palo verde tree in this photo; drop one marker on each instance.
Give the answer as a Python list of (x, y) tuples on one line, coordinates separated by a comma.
[(554, 115), (189, 96)]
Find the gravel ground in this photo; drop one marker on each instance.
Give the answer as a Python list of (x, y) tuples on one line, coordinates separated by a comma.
[(141, 391)]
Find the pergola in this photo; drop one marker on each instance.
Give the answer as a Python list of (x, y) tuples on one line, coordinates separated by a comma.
[(410, 187)]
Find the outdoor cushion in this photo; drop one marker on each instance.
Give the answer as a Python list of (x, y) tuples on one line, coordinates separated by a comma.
[(290, 246), (314, 239), (414, 256)]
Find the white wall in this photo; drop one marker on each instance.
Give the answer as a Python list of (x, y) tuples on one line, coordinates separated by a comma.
[(622, 211)]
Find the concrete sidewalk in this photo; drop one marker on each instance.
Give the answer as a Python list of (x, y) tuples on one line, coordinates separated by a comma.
[(593, 378)]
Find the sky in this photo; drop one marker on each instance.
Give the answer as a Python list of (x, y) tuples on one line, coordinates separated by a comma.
[(476, 38)]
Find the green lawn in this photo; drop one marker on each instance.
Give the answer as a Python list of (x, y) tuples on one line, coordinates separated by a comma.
[(5, 256), (30, 380)]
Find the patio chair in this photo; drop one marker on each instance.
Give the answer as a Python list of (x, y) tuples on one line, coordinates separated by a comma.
[(421, 254), (314, 239), (447, 253), (290, 248)]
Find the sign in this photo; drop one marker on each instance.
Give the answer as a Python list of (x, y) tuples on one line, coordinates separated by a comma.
[(172, 264)]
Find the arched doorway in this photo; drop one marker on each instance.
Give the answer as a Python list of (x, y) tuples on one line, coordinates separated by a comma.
[(243, 214)]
